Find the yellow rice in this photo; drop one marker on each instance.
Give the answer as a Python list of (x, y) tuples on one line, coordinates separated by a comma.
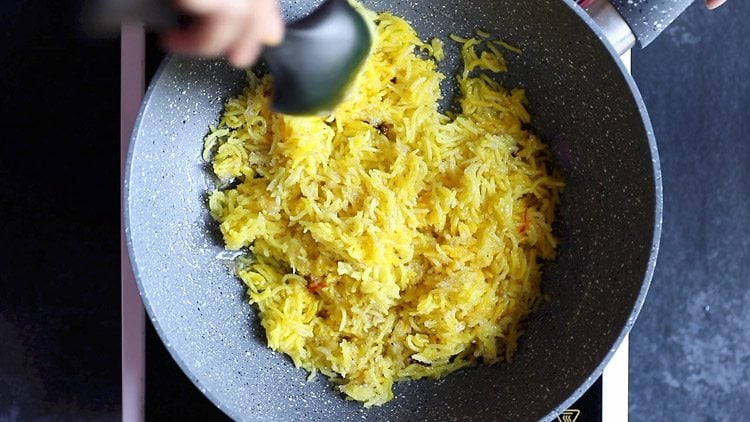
[(389, 241)]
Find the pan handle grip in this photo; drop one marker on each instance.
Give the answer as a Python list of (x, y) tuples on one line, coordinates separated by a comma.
[(648, 18), (645, 19), (102, 18)]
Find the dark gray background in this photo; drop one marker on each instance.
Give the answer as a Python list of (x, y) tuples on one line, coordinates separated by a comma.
[(690, 349), (59, 218)]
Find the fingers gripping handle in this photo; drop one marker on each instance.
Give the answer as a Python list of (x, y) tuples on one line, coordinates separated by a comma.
[(646, 18)]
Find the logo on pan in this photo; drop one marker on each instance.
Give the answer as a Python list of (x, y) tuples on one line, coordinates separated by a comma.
[(570, 415)]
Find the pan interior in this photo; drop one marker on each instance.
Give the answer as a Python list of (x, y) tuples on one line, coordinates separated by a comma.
[(582, 105)]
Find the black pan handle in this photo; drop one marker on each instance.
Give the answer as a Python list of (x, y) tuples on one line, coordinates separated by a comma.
[(646, 18), (102, 18)]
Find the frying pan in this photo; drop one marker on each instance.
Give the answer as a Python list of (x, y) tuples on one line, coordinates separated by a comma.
[(585, 105)]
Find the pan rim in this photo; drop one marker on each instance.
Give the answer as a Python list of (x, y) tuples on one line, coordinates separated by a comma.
[(163, 336), (658, 212)]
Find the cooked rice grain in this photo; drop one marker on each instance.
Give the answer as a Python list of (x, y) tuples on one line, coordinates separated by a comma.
[(390, 241)]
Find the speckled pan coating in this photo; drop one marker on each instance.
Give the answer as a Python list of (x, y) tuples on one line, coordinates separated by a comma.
[(648, 18), (585, 105)]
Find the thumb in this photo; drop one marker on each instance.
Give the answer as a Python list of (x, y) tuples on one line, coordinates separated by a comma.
[(272, 24), (713, 4)]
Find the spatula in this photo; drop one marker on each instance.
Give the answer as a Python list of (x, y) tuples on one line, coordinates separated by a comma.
[(313, 66), (319, 59)]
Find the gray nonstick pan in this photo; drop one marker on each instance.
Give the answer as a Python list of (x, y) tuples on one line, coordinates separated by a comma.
[(584, 105)]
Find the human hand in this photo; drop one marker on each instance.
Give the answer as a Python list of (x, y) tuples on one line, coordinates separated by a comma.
[(237, 29), (713, 4)]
